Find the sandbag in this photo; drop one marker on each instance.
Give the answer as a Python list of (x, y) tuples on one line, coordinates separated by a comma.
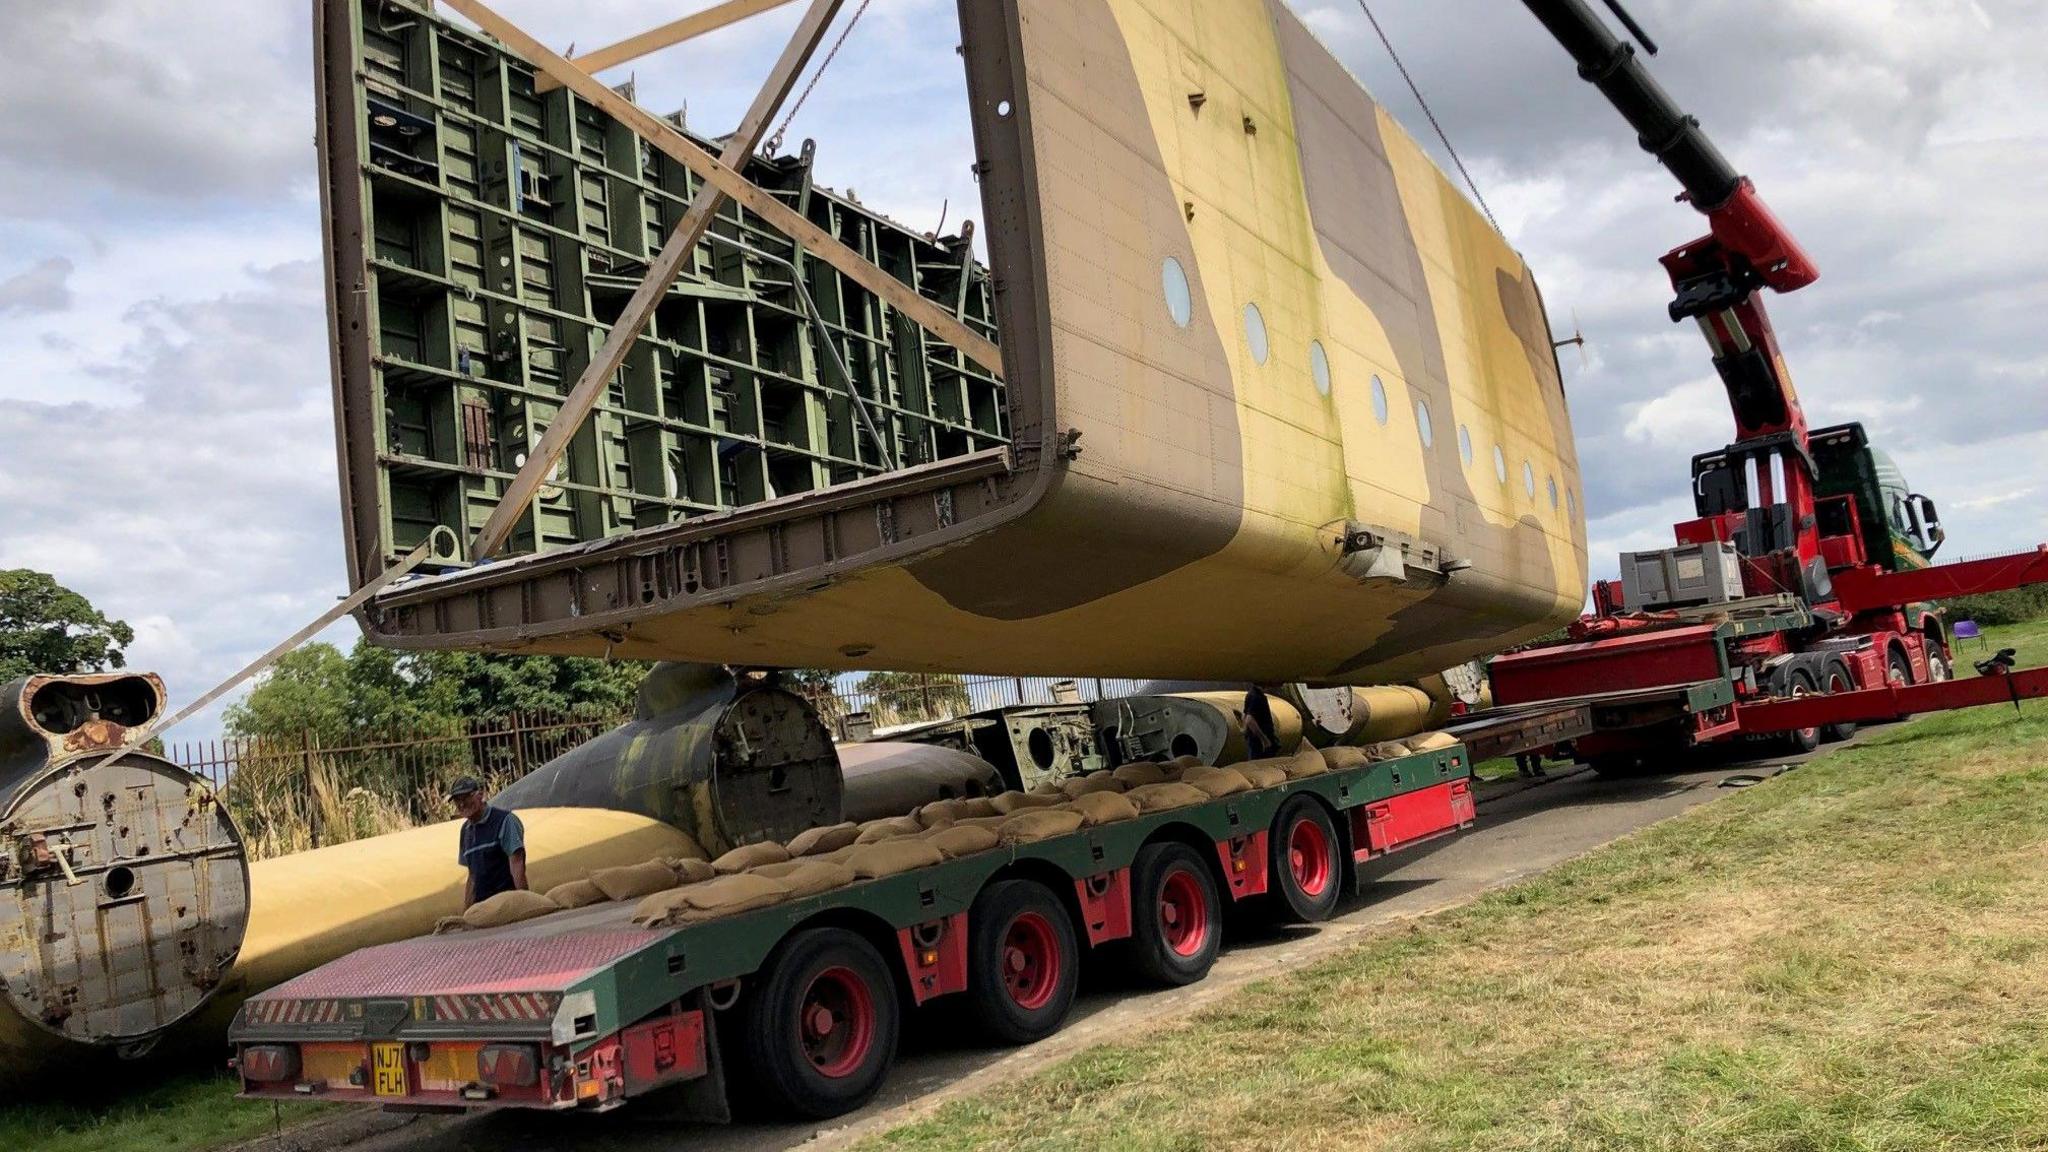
[(1264, 773), (1180, 764), (447, 924), (1039, 824), (1102, 780), (957, 840), (888, 828), (1430, 742), (1048, 788), (814, 841), (1139, 773), (1306, 762), (1386, 750), (889, 857), (632, 881), (1162, 797), (1012, 802), (692, 871), (750, 856), (727, 896), (1103, 808), (1217, 782), (810, 877), (1339, 759), (577, 894), (939, 813), (659, 908), (508, 908)]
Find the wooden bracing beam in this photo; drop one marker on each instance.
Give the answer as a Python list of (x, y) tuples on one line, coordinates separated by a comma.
[(661, 273), (674, 32), (722, 179)]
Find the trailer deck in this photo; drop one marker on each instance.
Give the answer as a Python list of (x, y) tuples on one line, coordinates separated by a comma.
[(586, 1009)]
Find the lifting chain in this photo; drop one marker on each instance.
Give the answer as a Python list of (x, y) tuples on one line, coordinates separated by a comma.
[(775, 141)]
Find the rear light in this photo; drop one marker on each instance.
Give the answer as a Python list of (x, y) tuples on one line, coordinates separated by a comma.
[(509, 1065), (270, 1063)]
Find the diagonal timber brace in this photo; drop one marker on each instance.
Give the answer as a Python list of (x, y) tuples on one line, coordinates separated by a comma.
[(661, 273), (667, 35), (722, 179)]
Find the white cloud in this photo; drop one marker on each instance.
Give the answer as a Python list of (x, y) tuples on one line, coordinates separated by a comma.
[(46, 287), (165, 440)]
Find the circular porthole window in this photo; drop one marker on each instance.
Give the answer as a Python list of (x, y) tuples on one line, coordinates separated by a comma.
[(1422, 427), (1379, 401), (1553, 492), (1173, 280), (1255, 333), (1319, 366), (1500, 464), (1529, 479), (1465, 445)]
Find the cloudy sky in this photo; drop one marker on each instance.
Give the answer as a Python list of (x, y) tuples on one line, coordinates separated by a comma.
[(165, 432)]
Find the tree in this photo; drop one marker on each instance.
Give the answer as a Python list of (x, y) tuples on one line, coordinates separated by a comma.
[(381, 691), (46, 627), (912, 697)]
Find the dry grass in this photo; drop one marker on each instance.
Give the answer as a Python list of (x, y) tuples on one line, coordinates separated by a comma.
[(1848, 957), (293, 809)]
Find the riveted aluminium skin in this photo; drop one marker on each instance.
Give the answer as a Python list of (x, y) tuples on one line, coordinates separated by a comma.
[(1169, 505), (124, 892)]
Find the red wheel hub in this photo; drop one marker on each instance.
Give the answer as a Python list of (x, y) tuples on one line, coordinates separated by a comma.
[(1308, 857), (1031, 961), (836, 1022), (1183, 913)]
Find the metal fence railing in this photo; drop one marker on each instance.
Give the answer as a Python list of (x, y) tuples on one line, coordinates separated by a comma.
[(295, 793), (291, 794)]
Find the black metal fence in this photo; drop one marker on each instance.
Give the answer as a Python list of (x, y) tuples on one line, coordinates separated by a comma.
[(301, 792)]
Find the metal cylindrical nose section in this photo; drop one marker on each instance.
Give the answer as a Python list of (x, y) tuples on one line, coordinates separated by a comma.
[(124, 886)]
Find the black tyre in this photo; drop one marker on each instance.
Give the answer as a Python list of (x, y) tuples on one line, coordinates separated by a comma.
[(1023, 963), (1898, 669), (1835, 679), (1939, 665), (1176, 919), (1304, 870), (1800, 682), (819, 1032)]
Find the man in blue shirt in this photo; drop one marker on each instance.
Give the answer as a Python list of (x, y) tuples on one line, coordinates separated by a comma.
[(492, 845)]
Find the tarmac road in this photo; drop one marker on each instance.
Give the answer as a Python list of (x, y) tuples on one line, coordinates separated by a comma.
[(1521, 831)]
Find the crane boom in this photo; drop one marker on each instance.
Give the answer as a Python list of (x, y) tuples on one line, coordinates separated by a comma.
[(1715, 279)]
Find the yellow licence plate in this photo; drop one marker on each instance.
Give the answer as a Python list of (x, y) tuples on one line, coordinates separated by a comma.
[(387, 1069)]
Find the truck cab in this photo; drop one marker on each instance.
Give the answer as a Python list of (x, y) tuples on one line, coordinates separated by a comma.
[(1900, 529)]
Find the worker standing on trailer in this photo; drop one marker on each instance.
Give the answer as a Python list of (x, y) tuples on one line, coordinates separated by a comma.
[(492, 844)]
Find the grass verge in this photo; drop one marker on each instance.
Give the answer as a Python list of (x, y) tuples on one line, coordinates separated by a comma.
[(1847, 957), (196, 1111)]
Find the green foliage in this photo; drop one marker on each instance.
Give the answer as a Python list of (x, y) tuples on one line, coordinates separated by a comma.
[(2012, 606), (46, 627), (185, 1112), (382, 691)]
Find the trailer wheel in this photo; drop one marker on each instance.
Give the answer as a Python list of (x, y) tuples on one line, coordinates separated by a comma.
[(819, 1033), (1177, 920), (1898, 669), (1023, 962), (1304, 864), (1836, 679), (1800, 682)]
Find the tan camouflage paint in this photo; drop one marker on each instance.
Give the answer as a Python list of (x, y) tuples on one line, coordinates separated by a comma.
[(1194, 535)]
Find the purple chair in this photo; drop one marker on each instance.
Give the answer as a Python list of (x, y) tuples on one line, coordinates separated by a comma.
[(1968, 630)]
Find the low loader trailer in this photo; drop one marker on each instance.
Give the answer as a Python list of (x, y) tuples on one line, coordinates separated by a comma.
[(803, 999)]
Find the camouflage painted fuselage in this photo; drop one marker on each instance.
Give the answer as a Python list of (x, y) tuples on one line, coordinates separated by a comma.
[(1188, 491)]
